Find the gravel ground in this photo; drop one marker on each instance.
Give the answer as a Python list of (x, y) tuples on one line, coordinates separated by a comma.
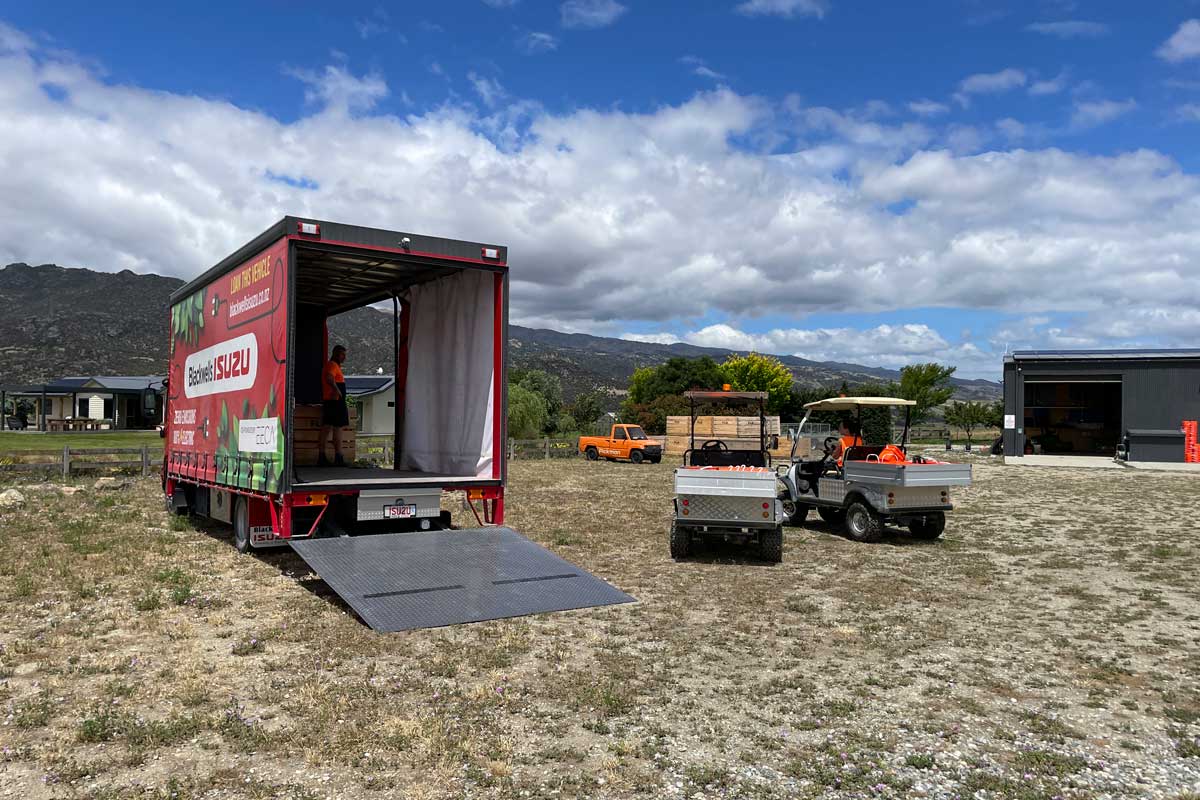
[(1046, 647)]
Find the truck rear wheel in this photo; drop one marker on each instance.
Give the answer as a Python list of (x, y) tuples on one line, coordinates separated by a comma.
[(681, 541), (241, 524), (863, 524), (831, 514), (928, 527), (770, 545), (591, 454), (636, 456)]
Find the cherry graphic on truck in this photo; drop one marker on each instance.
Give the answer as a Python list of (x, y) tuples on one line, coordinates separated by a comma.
[(625, 442)]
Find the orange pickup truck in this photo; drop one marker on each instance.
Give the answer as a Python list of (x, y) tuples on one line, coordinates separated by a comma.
[(626, 441)]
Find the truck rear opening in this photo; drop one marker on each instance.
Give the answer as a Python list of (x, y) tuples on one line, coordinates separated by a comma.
[(250, 341)]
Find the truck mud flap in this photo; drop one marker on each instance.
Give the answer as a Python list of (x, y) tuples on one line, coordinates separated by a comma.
[(404, 581)]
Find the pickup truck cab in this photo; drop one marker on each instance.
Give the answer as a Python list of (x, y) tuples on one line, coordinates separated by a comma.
[(627, 442)]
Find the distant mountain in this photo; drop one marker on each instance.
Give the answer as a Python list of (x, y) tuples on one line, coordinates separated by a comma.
[(56, 321)]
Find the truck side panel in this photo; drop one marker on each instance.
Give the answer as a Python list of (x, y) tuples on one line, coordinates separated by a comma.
[(227, 390)]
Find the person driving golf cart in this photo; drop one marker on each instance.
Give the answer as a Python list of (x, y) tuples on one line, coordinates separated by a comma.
[(849, 437)]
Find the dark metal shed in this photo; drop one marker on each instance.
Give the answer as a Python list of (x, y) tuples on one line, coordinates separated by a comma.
[(1085, 402)]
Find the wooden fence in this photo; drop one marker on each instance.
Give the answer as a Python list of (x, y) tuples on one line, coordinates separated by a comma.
[(84, 459), (542, 448)]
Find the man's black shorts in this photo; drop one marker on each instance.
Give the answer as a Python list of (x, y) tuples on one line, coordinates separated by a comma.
[(335, 413)]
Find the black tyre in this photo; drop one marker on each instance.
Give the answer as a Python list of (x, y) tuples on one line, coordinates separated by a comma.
[(636, 456), (770, 545), (863, 524), (241, 524), (930, 527), (793, 513), (656, 459), (681, 541), (591, 454), (831, 514)]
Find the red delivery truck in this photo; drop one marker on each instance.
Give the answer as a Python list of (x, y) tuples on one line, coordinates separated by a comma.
[(249, 341)]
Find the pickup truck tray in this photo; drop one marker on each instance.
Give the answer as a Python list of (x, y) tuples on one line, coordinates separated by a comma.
[(908, 474)]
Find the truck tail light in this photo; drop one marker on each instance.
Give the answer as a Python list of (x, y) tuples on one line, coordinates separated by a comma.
[(316, 499), (685, 501), (766, 505), (309, 229)]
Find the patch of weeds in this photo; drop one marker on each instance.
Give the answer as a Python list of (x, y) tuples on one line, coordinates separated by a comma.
[(1048, 762), (920, 761), (107, 725), (179, 584), (1000, 786), (1049, 726), (236, 727), (248, 645), (36, 712), (704, 775), (799, 605), (22, 587), (1186, 716), (180, 523), (1185, 746), (149, 600), (561, 538), (838, 707), (1133, 747)]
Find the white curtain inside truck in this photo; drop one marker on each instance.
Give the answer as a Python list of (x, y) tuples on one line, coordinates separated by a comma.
[(449, 410)]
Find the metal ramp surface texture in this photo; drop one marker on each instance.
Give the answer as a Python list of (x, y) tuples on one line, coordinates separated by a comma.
[(405, 581)]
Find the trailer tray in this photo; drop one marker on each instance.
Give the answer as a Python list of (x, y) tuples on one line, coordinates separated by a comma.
[(405, 581)]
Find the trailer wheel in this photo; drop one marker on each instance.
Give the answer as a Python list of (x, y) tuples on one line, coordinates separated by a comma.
[(831, 514), (770, 545), (863, 524), (681, 541), (928, 527), (241, 524), (591, 454)]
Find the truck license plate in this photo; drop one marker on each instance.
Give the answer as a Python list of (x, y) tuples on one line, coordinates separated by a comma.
[(400, 512)]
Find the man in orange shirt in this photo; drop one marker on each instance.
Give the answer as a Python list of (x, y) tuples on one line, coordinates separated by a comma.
[(334, 415), (849, 438)]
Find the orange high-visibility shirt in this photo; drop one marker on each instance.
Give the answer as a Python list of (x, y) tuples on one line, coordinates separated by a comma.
[(332, 370), (847, 443)]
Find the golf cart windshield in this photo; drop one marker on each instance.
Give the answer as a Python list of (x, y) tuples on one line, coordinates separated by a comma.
[(635, 432)]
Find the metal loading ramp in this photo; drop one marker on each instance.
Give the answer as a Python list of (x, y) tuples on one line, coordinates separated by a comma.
[(404, 581)]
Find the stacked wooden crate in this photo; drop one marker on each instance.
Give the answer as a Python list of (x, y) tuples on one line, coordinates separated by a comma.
[(738, 433), (306, 436)]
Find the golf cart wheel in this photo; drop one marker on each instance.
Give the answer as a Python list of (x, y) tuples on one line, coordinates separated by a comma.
[(636, 456), (770, 545), (681, 541), (793, 513), (863, 524), (929, 527), (831, 514), (241, 524), (591, 454)]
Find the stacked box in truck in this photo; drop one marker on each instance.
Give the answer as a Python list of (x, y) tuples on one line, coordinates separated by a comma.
[(249, 339)]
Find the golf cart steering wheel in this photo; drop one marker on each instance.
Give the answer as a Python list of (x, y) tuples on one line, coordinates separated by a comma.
[(714, 444), (831, 443)]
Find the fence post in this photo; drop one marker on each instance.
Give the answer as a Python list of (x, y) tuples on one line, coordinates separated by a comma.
[(145, 461), (512, 449), (546, 444), (66, 458)]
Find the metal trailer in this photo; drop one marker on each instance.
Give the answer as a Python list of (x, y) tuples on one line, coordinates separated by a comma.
[(723, 494), (875, 485)]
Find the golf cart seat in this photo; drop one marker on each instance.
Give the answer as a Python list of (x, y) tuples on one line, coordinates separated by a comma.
[(715, 453), (886, 453)]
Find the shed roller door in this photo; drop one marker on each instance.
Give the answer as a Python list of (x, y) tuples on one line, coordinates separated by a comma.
[(403, 581)]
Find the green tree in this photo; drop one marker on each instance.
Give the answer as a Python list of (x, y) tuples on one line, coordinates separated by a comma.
[(876, 420), (968, 416), (928, 384), (676, 376), (527, 413), (652, 416), (546, 385), (586, 409), (755, 372), (995, 415)]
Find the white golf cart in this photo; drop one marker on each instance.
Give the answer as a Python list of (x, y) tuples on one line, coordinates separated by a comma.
[(869, 485)]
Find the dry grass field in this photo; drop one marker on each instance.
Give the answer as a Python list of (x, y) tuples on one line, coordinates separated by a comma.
[(1048, 647)]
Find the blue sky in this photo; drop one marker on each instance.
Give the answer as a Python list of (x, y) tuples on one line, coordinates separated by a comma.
[(866, 182)]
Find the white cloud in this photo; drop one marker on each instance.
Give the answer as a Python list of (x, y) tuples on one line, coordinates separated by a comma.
[(590, 13), (927, 108), (337, 89), (1052, 86), (500, 3), (594, 202), (535, 42), (1184, 44), (784, 8), (13, 40), (1013, 130), (1188, 112), (990, 83), (489, 90), (1070, 29), (652, 338), (701, 69), (1089, 114)]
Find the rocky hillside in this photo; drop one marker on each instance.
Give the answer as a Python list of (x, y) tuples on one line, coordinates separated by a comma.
[(56, 321)]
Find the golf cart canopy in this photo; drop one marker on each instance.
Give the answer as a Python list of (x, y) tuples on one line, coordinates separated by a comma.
[(851, 403), (726, 396)]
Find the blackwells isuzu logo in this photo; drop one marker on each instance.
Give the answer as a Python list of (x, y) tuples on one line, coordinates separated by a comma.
[(224, 367)]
